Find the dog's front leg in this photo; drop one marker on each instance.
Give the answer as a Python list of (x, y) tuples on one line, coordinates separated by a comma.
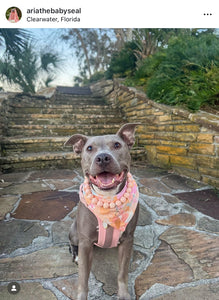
[(125, 250), (84, 264)]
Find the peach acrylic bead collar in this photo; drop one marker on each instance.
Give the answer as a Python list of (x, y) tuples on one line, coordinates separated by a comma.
[(115, 211)]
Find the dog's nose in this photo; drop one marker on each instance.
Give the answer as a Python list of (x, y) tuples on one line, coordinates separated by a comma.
[(103, 159)]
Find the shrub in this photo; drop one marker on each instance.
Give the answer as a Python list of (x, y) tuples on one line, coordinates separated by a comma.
[(94, 77), (148, 66), (123, 63), (188, 74)]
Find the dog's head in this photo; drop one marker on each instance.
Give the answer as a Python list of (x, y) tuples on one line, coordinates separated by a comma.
[(105, 160)]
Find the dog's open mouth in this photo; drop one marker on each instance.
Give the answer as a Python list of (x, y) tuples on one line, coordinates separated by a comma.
[(106, 180)]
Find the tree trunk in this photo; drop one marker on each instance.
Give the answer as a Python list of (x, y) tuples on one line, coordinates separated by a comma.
[(84, 49)]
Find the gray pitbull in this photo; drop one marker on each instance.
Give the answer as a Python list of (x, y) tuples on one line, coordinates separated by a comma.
[(105, 164)]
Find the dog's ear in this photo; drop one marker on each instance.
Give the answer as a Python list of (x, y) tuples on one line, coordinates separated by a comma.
[(127, 133), (77, 141)]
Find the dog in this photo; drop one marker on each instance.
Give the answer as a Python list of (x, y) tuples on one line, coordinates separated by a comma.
[(108, 209)]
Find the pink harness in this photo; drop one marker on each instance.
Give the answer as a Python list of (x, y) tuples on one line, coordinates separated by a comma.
[(108, 236)]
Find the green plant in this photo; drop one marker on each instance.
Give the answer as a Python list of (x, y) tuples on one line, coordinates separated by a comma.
[(95, 77), (148, 66), (188, 75), (123, 63), (29, 70)]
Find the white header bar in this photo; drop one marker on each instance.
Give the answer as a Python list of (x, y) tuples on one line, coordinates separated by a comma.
[(110, 14)]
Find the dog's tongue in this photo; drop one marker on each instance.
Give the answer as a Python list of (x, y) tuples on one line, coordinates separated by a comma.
[(106, 178)]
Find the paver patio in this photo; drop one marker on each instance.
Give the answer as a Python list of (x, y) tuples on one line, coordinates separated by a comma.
[(175, 253)]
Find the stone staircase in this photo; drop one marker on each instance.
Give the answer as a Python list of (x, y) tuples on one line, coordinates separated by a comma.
[(35, 127)]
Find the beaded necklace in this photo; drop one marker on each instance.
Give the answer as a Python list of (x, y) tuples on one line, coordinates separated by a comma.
[(115, 211)]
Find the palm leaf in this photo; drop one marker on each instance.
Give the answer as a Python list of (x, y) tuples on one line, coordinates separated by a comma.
[(14, 40)]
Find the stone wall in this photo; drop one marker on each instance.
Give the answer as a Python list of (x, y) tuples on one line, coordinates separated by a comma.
[(173, 138), (3, 96)]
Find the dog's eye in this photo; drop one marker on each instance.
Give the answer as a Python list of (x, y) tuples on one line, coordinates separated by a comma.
[(117, 145), (89, 148)]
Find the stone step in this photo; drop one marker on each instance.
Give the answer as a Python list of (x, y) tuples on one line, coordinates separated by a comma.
[(16, 145), (53, 105), (26, 111), (57, 99), (61, 130), (80, 101), (62, 109), (12, 146), (53, 119), (76, 90), (43, 160), (36, 129), (85, 99)]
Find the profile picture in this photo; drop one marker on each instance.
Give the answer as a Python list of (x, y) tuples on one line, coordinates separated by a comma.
[(13, 14)]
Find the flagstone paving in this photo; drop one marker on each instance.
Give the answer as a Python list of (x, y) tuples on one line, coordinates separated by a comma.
[(176, 244)]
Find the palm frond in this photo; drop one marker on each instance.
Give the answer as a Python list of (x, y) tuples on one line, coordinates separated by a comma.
[(14, 40)]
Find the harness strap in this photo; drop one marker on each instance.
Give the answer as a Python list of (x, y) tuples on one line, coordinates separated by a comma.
[(107, 237), (112, 221)]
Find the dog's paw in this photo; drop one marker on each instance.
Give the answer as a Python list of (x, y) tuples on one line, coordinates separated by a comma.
[(123, 293), (125, 297), (82, 296)]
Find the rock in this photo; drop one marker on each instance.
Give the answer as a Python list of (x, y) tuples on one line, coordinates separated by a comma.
[(47, 263), (148, 191), (155, 185), (171, 199), (68, 287), (144, 237), (105, 268), (25, 188), (156, 289), (205, 201), (31, 290), (144, 216), (177, 182), (4, 184), (61, 184), (204, 291), (18, 234), (48, 205), (148, 171), (137, 259), (208, 224), (181, 219), (60, 231), (102, 88), (160, 206), (7, 203), (15, 177), (165, 268), (47, 92), (198, 250), (52, 174)]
